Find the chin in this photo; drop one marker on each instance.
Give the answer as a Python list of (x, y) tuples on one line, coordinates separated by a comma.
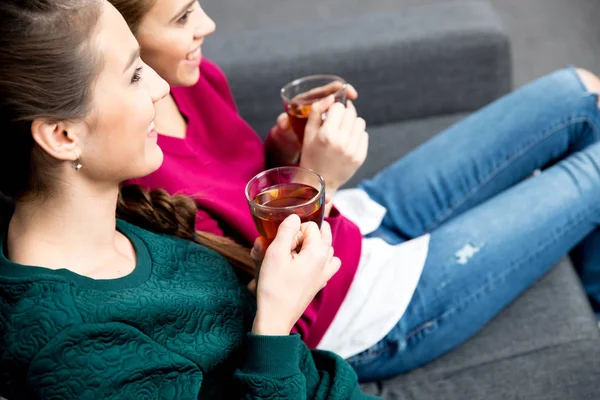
[(153, 161), (189, 78)]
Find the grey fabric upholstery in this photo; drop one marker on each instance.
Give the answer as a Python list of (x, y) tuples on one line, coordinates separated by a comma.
[(418, 71), (545, 34), (545, 346), (420, 62), (389, 142)]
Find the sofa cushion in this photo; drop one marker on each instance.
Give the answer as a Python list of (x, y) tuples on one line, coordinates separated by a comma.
[(389, 142), (407, 64)]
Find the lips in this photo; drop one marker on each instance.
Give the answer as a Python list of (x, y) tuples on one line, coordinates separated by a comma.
[(193, 55), (152, 132), (194, 58)]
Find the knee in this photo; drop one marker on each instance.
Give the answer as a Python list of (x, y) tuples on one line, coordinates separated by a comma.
[(589, 80)]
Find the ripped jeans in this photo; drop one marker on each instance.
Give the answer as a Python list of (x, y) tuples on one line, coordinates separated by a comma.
[(496, 226)]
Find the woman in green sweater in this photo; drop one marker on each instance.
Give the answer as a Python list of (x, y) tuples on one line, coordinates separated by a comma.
[(93, 307)]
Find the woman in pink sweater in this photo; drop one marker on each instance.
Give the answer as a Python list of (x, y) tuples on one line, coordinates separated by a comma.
[(434, 246)]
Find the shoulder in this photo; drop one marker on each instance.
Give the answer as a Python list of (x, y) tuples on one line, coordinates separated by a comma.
[(34, 311), (170, 250)]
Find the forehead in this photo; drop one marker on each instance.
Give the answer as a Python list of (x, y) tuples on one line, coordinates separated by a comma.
[(114, 40), (168, 9)]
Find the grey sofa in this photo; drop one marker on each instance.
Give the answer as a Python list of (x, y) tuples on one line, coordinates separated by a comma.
[(418, 71)]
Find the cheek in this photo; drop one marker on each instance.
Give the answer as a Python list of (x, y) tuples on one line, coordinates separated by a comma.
[(124, 120), (166, 57)]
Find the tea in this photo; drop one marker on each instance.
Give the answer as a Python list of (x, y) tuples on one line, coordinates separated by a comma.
[(298, 106), (298, 116), (286, 199)]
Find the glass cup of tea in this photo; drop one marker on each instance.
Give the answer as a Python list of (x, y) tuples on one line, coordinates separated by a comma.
[(299, 95), (277, 193)]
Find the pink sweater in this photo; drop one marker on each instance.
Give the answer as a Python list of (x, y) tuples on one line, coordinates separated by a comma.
[(219, 155)]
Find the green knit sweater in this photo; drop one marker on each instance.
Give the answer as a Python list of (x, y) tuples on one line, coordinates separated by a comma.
[(175, 328)]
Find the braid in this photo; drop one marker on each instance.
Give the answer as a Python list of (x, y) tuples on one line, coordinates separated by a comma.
[(158, 211)]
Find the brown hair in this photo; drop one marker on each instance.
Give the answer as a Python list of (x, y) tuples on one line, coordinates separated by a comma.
[(133, 11), (47, 70), (157, 211)]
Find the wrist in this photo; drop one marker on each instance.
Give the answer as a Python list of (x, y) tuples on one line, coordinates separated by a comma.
[(270, 325)]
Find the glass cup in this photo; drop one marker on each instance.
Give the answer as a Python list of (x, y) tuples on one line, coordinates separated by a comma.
[(275, 194), (299, 95)]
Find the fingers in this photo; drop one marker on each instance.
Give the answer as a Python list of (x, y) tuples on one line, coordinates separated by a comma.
[(298, 240), (326, 235), (351, 93), (335, 116), (311, 233), (332, 267), (319, 242), (363, 148), (314, 119), (283, 129), (356, 137), (283, 122), (258, 250), (286, 234), (332, 87), (348, 124), (318, 92), (252, 286)]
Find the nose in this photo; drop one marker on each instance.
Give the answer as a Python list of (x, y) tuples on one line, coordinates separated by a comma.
[(159, 88), (205, 25)]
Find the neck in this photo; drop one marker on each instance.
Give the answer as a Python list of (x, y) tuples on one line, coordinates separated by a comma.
[(73, 231)]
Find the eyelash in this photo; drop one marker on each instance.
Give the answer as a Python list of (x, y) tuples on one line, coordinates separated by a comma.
[(184, 18), (137, 75)]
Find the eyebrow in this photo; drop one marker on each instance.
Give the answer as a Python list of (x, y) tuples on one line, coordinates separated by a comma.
[(134, 56), (184, 9)]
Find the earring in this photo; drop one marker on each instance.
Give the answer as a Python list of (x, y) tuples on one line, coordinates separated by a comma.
[(77, 163)]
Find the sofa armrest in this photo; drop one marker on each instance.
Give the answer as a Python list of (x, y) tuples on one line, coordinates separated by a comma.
[(418, 62)]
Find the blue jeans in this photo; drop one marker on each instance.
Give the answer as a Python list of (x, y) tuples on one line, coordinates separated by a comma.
[(495, 229)]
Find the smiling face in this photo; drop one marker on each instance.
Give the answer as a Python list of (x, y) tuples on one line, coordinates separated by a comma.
[(121, 142), (171, 35)]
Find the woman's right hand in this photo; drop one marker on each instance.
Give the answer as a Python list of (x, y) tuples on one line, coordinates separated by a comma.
[(290, 279), (337, 147)]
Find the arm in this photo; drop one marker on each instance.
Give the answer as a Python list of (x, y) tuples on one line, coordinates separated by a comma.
[(326, 375), (116, 361), (110, 361)]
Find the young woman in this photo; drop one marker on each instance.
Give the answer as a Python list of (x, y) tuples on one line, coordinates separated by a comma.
[(435, 245), (93, 307)]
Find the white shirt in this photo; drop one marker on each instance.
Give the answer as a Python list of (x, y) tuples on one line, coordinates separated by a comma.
[(384, 283)]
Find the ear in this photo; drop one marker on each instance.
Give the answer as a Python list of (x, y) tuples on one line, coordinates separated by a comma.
[(58, 139)]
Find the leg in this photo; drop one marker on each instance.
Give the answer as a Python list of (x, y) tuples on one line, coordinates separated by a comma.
[(488, 152), (482, 260), (586, 256)]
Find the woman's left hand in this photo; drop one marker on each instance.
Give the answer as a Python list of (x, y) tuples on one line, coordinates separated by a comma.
[(257, 254), (285, 147)]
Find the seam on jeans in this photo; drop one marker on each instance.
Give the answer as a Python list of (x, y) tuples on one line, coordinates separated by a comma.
[(500, 277), (443, 217)]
